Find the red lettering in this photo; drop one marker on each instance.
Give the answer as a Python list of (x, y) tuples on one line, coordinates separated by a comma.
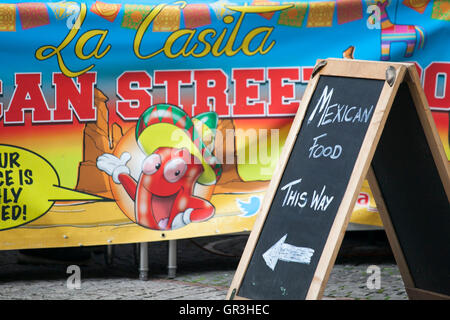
[(74, 97), (27, 96), (363, 199), (282, 91), (306, 74), (211, 92), (173, 80), (247, 92), (437, 85), (132, 88)]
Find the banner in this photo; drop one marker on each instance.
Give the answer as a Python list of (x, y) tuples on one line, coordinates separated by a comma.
[(141, 121)]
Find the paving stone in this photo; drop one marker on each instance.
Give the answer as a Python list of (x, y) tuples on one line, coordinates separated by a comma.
[(202, 274)]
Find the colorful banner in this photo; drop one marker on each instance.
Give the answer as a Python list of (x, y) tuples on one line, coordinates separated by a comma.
[(125, 122)]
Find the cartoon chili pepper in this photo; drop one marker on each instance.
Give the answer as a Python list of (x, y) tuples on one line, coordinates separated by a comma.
[(177, 159)]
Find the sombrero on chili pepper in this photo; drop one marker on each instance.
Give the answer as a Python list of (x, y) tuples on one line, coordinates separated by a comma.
[(166, 125)]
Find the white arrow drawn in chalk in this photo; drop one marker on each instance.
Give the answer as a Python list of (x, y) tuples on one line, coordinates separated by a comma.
[(287, 252)]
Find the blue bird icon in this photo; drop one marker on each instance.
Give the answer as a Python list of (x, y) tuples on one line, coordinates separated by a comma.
[(250, 207)]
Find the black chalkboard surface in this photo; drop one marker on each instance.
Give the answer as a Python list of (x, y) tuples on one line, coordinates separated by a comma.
[(311, 189), (352, 112), (420, 212)]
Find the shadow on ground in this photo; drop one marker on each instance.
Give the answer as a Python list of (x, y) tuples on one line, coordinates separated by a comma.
[(218, 253)]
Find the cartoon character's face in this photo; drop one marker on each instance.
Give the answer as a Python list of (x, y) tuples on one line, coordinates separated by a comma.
[(168, 175), (167, 170)]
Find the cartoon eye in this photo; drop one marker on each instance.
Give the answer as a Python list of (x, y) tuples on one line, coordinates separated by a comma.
[(151, 164), (175, 169)]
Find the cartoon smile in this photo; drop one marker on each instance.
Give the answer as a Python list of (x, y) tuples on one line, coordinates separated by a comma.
[(162, 207)]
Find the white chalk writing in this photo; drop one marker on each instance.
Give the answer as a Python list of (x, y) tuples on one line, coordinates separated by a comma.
[(338, 113), (317, 150), (298, 198)]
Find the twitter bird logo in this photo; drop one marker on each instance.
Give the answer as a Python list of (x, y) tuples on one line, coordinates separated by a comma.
[(250, 207)]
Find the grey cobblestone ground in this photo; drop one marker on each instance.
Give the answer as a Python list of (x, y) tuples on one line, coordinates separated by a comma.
[(205, 269)]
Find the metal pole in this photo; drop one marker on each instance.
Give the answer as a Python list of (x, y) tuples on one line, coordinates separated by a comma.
[(172, 264), (143, 261), (109, 254)]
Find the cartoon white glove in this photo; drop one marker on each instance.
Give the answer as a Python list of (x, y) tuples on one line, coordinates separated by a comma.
[(114, 166), (182, 219)]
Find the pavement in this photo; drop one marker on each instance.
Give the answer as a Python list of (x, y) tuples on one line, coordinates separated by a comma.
[(205, 269)]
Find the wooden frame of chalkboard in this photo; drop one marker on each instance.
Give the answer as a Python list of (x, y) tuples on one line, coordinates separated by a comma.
[(297, 235)]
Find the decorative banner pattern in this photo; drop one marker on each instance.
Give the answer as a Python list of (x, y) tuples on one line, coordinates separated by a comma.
[(134, 14), (417, 5), (107, 11), (7, 17), (441, 10), (321, 14), (255, 104), (33, 15), (196, 15), (294, 16), (267, 15), (167, 20), (220, 10), (63, 9), (349, 10)]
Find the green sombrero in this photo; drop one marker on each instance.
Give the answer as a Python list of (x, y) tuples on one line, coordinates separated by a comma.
[(166, 125)]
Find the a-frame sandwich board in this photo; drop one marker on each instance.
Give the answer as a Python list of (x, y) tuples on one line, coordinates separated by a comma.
[(356, 118)]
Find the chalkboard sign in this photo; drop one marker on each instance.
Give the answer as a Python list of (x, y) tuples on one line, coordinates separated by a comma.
[(418, 217), (326, 157), (312, 188)]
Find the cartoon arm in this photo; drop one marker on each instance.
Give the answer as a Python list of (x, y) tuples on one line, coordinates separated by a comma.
[(197, 210), (118, 170)]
